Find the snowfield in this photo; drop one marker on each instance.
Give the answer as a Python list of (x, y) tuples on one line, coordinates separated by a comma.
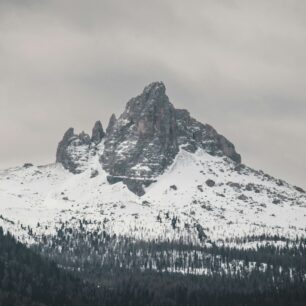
[(199, 196)]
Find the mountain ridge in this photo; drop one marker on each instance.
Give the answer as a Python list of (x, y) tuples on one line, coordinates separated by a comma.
[(144, 140), (198, 194)]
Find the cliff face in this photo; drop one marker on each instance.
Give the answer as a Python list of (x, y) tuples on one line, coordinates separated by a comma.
[(144, 140), (74, 150), (193, 135)]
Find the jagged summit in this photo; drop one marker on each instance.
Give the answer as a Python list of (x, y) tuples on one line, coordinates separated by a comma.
[(144, 140), (74, 150), (155, 89), (111, 123), (97, 132)]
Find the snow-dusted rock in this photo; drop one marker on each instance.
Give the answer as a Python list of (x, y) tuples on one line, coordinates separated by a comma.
[(191, 180), (73, 151), (143, 142), (233, 207), (97, 133)]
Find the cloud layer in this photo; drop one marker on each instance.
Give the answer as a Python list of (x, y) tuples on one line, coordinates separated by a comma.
[(238, 65)]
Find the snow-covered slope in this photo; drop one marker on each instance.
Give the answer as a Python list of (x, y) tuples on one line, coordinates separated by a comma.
[(197, 194), (156, 173)]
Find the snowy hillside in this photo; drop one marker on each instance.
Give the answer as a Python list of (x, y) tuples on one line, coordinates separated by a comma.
[(198, 192), (157, 191), (155, 174)]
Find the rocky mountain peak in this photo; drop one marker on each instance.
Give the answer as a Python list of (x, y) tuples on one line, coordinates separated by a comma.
[(68, 134), (111, 123), (155, 90), (144, 140), (97, 132), (152, 103), (72, 150)]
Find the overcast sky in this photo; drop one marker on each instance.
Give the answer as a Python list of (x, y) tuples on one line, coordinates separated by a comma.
[(237, 65)]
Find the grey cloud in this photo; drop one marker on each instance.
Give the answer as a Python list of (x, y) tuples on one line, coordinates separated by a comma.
[(238, 65)]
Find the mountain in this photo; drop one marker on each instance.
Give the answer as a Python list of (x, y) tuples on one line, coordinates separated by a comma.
[(165, 204), (153, 165), (143, 142)]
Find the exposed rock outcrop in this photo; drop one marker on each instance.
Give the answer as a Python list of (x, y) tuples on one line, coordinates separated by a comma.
[(144, 140), (97, 133), (210, 183), (111, 124), (193, 135), (72, 151), (27, 165)]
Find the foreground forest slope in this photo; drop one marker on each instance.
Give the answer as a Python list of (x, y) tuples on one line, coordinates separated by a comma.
[(28, 279)]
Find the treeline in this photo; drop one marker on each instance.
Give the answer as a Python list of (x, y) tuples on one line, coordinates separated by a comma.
[(93, 252), (183, 272), (88, 278), (28, 279)]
